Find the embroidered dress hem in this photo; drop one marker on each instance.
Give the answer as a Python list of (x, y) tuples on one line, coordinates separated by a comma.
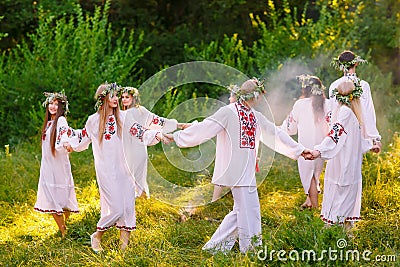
[(331, 222), (54, 211), (120, 227)]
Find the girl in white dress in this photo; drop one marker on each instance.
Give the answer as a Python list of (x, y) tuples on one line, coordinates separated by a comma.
[(136, 155), (56, 192), (309, 120), (116, 184), (238, 128), (343, 148)]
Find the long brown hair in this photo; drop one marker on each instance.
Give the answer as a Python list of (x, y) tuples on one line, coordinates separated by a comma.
[(53, 131), (103, 113), (318, 101)]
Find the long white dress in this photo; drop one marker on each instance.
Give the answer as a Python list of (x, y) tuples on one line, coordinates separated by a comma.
[(56, 191), (301, 121), (238, 130), (367, 105), (343, 148), (136, 154), (116, 183)]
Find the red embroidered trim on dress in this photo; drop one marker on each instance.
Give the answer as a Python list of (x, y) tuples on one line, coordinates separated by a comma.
[(127, 228), (158, 120), (54, 211), (328, 117), (248, 126), (47, 127), (340, 223), (71, 132), (137, 131), (61, 131), (105, 228), (110, 128), (82, 134), (336, 131)]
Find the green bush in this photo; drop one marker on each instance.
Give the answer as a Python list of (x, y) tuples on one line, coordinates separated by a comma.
[(75, 53)]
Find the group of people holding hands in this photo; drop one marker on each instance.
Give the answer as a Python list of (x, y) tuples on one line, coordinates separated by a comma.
[(339, 129)]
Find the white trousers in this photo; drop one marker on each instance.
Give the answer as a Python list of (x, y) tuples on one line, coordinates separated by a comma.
[(243, 222)]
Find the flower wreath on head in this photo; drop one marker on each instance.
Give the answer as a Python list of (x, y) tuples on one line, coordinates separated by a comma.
[(346, 99), (233, 88), (305, 80), (111, 89), (241, 95), (60, 96), (134, 92), (345, 66)]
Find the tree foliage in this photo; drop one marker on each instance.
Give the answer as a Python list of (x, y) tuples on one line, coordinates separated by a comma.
[(75, 53), (73, 47)]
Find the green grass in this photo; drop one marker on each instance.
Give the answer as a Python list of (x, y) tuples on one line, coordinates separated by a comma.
[(164, 238)]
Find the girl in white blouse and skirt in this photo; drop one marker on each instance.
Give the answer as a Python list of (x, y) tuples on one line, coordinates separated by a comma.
[(116, 184)]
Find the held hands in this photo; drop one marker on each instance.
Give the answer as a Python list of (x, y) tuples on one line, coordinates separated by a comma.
[(183, 126), (163, 138), (169, 137), (310, 154), (68, 147)]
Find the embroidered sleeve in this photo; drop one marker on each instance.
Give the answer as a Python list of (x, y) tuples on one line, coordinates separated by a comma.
[(158, 121), (336, 131), (61, 131), (81, 140), (290, 124), (137, 131), (328, 117), (82, 134), (337, 136)]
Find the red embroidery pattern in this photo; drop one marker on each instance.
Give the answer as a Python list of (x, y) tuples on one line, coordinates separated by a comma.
[(328, 117), (137, 131), (110, 128), (339, 222), (82, 135), (44, 133), (62, 130), (54, 211), (71, 132), (158, 120), (248, 125), (127, 228), (336, 131)]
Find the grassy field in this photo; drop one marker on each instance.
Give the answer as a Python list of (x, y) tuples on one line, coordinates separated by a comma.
[(165, 238)]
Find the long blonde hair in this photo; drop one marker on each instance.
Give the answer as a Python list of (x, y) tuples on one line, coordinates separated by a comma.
[(346, 88), (103, 113)]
